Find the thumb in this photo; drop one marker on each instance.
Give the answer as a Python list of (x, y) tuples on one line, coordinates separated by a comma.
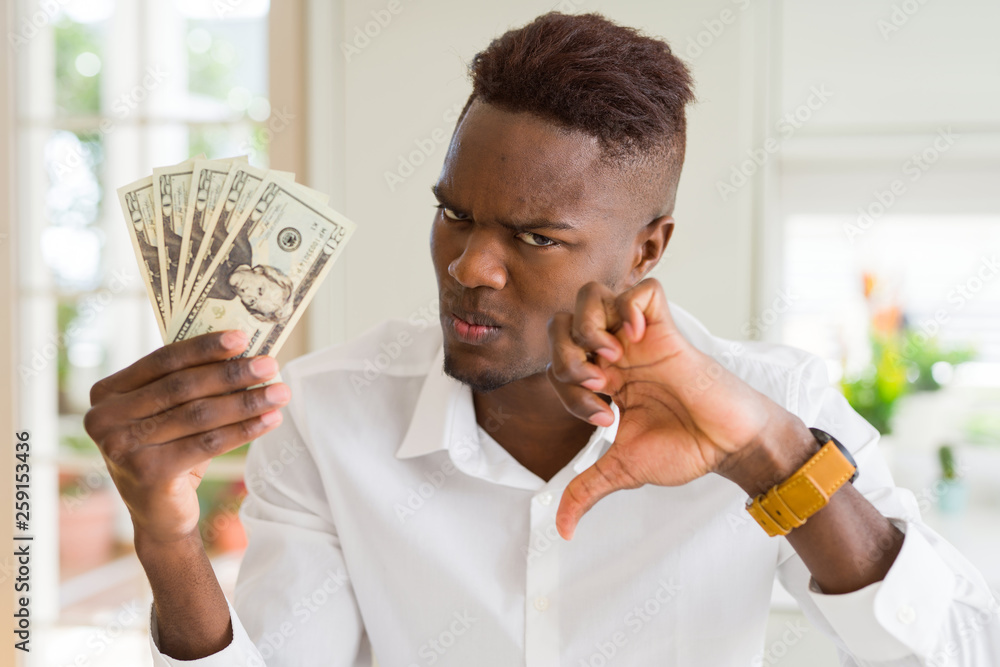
[(642, 306), (606, 476)]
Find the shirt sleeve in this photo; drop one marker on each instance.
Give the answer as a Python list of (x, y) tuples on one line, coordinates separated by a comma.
[(933, 607), (293, 603)]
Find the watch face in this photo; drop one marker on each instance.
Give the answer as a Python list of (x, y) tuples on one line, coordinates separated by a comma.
[(823, 437)]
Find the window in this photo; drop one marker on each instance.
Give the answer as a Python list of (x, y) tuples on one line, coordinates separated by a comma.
[(106, 90)]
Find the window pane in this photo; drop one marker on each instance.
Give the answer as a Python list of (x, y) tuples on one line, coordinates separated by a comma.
[(913, 265), (80, 35)]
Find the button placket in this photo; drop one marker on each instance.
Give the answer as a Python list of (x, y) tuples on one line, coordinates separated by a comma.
[(541, 617)]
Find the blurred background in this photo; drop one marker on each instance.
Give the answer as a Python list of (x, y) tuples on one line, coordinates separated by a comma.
[(841, 194)]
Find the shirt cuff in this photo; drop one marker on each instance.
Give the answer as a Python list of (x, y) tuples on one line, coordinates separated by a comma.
[(900, 616), (241, 651)]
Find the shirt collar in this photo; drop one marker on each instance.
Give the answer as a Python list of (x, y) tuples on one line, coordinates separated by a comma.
[(445, 417)]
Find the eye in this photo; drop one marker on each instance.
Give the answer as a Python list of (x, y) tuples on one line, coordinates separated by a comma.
[(545, 240), (451, 214)]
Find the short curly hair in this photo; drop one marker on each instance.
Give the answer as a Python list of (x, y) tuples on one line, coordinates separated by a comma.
[(584, 72)]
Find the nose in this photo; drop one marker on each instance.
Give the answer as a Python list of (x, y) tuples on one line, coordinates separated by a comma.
[(480, 264)]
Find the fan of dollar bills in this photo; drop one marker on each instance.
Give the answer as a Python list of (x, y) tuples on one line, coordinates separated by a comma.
[(223, 245)]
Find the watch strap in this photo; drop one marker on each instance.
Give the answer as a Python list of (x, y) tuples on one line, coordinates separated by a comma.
[(788, 505)]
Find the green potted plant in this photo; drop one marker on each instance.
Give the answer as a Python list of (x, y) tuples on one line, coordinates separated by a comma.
[(953, 492)]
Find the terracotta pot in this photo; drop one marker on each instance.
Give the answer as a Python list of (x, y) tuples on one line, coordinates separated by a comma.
[(225, 532), (86, 531)]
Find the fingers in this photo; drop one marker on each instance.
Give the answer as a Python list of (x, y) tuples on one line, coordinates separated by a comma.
[(178, 457), (606, 476), (191, 384), (582, 403), (642, 306), (595, 320), (207, 414), (573, 376), (168, 359)]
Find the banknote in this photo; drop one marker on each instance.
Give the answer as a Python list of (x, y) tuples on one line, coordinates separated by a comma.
[(172, 186), (225, 245), (207, 180), (136, 200), (236, 196), (281, 244)]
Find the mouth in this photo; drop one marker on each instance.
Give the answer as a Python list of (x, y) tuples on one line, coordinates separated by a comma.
[(473, 328)]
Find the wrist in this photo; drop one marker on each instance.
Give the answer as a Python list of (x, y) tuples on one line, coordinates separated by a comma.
[(780, 449), (149, 548)]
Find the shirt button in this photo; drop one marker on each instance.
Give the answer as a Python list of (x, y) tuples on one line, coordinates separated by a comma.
[(541, 603), (545, 498), (906, 614)]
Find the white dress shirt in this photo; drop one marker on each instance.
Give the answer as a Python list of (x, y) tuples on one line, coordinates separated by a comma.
[(383, 519)]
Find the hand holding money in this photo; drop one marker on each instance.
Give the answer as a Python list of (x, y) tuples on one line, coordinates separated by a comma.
[(160, 421), (158, 424), (231, 256)]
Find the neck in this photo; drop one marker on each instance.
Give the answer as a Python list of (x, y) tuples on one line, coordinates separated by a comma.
[(528, 420)]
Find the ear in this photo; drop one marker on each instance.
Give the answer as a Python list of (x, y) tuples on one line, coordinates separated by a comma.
[(651, 243)]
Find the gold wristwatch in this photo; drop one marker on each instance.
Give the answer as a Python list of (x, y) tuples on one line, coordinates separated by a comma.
[(788, 505)]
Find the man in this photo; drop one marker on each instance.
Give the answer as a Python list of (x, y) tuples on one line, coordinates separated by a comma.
[(407, 503)]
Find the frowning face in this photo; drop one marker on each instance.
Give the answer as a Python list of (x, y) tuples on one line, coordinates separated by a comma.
[(528, 214)]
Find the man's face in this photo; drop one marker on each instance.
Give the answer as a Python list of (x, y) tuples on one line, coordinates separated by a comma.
[(257, 291), (507, 179)]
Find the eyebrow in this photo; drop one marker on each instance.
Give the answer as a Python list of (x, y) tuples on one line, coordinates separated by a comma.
[(513, 226)]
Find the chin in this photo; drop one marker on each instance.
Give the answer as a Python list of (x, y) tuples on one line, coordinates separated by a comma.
[(473, 370), (483, 374)]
